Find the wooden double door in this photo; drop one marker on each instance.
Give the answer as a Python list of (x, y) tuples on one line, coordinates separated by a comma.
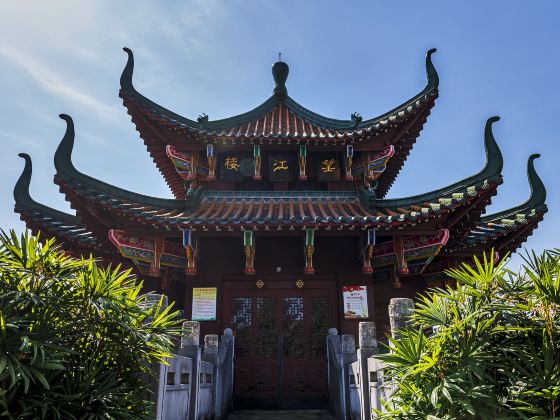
[(280, 341)]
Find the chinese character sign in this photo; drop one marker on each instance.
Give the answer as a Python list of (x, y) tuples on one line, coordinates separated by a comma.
[(355, 302), (328, 168), (234, 166), (280, 167), (231, 163)]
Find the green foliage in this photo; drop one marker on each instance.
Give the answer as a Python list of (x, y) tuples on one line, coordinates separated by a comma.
[(76, 340), (487, 348)]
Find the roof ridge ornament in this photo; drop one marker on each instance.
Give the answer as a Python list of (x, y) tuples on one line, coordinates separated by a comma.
[(25, 203), (202, 119), (63, 154), (21, 189), (357, 118), (193, 198), (126, 75), (536, 200), (431, 72), (491, 173), (367, 197), (65, 170), (538, 191), (280, 71), (494, 158)]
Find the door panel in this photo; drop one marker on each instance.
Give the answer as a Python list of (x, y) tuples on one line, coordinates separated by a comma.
[(280, 335), (266, 326)]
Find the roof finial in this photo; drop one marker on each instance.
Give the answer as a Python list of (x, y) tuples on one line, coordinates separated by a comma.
[(280, 72)]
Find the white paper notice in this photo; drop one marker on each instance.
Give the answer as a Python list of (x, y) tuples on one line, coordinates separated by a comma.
[(204, 303), (355, 302)]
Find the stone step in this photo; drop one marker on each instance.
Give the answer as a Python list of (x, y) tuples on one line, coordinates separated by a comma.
[(280, 415)]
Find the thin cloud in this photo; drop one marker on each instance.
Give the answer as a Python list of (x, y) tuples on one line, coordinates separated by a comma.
[(51, 82)]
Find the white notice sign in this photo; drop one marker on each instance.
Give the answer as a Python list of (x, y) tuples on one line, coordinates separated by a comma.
[(204, 303), (355, 302)]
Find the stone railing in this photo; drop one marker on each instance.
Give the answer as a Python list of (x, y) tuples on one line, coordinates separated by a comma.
[(196, 383), (356, 378), (341, 353)]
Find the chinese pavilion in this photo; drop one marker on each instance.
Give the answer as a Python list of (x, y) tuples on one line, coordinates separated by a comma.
[(279, 227)]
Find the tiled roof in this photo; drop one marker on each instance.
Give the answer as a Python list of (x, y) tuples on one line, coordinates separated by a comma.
[(50, 222), (509, 228), (290, 209), (326, 212), (283, 122), (280, 116), (342, 210), (278, 120)]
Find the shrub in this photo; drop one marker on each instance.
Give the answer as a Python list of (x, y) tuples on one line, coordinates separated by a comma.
[(486, 348), (76, 339)]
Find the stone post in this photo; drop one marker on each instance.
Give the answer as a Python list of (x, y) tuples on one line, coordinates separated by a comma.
[(348, 357), (335, 378), (367, 338), (367, 341), (211, 345), (220, 353), (210, 355), (190, 342), (226, 356), (156, 380), (348, 344), (400, 310), (332, 335), (190, 334), (152, 299)]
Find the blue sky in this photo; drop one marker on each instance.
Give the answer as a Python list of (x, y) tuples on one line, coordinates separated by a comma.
[(494, 58)]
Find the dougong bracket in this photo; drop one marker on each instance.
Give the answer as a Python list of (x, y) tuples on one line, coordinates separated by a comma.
[(257, 161), (166, 280), (348, 163), (190, 253), (249, 246), (194, 162), (367, 252), (309, 249), (376, 163), (185, 163), (211, 162), (158, 250), (399, 252), (395, 280), (302, 159)]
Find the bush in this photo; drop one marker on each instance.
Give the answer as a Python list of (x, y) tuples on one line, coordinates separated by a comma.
[(486, 348), (76, 339)]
